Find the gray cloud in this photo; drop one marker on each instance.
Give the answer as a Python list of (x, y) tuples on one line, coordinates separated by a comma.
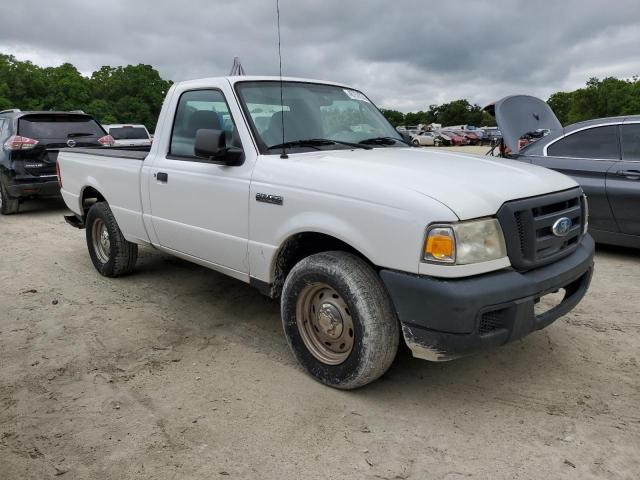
[(404, 54)]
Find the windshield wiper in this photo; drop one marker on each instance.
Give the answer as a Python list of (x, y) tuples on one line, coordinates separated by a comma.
[(382, 141), (79, 134), (315, 143)]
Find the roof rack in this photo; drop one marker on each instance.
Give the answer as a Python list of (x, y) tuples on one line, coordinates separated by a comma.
[(11, 110)]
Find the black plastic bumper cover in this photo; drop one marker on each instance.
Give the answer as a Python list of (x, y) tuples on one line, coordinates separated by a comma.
[(447, 318), (47, 188)]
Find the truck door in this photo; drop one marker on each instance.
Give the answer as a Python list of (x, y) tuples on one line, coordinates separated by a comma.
[(623, 181), (198, 208)]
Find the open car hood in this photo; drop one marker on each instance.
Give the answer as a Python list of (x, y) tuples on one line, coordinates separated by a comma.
[(518, 115)]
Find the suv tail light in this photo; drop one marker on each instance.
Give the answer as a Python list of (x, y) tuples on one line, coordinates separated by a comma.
[(107, 141), (16, 142), (59, 174)]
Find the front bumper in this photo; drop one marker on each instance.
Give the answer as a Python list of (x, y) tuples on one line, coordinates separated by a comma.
[(443, 319), (34, 189)]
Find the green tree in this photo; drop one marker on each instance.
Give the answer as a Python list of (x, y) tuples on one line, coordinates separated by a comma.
[(395, 117), (130, 94)]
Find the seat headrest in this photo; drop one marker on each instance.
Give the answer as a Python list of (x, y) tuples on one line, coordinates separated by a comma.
[(203, 119)]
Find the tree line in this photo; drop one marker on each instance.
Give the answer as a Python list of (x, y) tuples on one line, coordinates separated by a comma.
[(608, 97), (134, 94), (131, 94)]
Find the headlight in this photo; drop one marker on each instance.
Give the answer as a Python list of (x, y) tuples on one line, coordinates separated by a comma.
[(465, 242)]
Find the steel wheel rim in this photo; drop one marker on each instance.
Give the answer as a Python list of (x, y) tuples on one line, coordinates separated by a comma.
[(101, 240), (325, 323)]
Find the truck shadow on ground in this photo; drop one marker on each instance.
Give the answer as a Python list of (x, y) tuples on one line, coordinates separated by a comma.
[(232, 308), (42, 206)]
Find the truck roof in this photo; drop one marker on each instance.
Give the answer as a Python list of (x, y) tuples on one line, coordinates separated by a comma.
[(20, 113), (248, 78)]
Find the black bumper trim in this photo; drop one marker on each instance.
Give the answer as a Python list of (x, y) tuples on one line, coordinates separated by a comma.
[(441, 317), (47, 188)]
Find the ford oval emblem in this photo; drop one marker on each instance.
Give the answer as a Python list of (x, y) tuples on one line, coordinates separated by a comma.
[(71, 143), (561, 227)]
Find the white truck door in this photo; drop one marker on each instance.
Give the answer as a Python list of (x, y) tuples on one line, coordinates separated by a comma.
[(198, 208)]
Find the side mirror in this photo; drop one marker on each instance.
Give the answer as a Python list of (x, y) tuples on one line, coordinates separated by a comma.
[(212, 145)]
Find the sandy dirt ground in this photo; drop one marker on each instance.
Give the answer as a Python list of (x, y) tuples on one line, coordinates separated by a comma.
[(177, 372)]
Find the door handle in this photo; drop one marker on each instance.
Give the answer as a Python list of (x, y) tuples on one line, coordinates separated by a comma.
[(630, 174), (161, 177)]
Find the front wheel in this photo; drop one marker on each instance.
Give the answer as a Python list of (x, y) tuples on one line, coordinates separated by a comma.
[(415, 143), (110, 252), (339, 320)]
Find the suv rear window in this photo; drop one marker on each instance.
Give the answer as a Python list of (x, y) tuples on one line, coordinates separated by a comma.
[(128, 133), (58, 126)]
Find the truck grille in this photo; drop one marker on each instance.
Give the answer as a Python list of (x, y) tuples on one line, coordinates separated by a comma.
[(528, 228)]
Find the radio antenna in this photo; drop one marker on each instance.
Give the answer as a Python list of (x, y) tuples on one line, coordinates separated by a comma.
[(284, 151)]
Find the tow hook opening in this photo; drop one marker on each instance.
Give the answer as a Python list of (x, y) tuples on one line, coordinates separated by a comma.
[(549, 301)]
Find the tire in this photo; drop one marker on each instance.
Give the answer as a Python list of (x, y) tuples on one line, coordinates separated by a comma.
[(437, 143), (415, 143), (113, 255), (8, 205), (365, 320)]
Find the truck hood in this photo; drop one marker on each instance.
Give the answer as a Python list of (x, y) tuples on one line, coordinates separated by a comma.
[(470, 185), (518, 115)]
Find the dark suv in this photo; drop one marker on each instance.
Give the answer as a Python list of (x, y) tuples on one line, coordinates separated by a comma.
[(29, 144)]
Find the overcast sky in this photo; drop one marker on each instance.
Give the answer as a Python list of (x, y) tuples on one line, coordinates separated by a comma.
[(403, 54)]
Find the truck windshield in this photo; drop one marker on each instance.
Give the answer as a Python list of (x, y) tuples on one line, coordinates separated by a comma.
[(315, 117), (129, 133)]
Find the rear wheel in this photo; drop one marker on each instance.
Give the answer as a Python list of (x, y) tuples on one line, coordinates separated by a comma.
[(339, 320), (110, 252), (415, 142), (8, 205)]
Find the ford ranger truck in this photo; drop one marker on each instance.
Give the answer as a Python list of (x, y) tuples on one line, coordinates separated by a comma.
[(302, 189)]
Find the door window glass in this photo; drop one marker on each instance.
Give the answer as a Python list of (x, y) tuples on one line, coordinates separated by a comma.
[(631, 141), (598, 142), (200, 109)]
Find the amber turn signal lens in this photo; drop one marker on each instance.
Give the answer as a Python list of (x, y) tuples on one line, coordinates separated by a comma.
[(440, 245)]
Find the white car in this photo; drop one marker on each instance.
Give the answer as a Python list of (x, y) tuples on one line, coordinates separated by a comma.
[(430, 139), (129, 135), (365, 240)]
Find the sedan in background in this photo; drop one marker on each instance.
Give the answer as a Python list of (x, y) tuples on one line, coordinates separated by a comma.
[(455, 139), (430, 139)]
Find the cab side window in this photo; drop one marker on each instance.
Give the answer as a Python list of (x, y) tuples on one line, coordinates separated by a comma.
[(200, 109), (631, 141), (597, 142)]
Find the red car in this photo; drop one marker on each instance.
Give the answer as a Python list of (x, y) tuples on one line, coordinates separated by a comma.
[(455, 138)]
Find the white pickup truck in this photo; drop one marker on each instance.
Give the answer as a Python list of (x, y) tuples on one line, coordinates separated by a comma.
[(317, 200)]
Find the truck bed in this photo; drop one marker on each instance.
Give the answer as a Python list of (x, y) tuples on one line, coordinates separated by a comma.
[(114, 173), (139, 153)]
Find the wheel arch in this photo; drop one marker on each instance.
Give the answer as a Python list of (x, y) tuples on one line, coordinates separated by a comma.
[(88, 196), (301, 245)]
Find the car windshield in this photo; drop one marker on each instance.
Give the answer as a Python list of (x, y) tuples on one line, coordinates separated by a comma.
[(315, 117)]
